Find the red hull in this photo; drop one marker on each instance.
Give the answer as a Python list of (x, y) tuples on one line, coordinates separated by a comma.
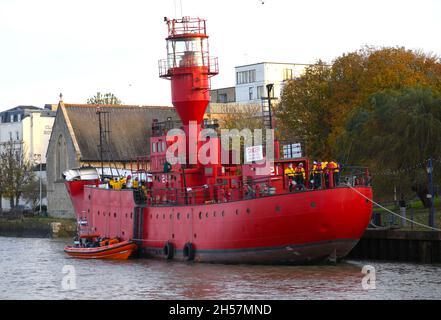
[(296, 227)]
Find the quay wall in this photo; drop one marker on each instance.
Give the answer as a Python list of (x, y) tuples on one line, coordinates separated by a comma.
[(398, 245)]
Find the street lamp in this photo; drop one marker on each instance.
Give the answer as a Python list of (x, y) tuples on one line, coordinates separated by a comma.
[(431, 192), (37, 157)]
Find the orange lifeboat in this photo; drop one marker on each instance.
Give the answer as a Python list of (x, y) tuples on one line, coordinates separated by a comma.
[(108, 249)]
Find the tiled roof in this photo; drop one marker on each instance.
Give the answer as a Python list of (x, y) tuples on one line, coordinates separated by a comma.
[(130, 129)]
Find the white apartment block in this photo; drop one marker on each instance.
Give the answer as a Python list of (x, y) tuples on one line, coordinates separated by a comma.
[(30, 127), (251, 80)]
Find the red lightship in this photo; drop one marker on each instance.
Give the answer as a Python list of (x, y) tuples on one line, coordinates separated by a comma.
[(219, 212)]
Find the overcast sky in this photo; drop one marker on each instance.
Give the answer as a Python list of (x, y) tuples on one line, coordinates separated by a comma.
[(84, 46)]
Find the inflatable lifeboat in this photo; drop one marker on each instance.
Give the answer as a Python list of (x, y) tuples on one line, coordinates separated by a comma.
[(100, 249)]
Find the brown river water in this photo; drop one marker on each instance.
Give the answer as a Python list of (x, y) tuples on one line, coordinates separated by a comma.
[(39, 269)]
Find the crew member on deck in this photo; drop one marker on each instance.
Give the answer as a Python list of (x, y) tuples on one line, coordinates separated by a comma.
[(135, 183), (289, 172), (318, 178), (299, 176)]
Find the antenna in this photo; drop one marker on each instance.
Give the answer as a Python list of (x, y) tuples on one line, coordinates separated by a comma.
[(176, 8)]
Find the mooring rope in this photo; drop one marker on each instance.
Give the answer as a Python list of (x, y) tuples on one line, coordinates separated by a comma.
[(390, 211)]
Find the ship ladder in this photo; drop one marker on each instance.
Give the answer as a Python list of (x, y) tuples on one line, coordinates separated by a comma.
[(138, 221)]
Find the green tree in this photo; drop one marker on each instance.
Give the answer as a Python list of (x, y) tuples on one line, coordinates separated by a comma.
[(107, 98), (394, 130), (316, 106), (304, 114)]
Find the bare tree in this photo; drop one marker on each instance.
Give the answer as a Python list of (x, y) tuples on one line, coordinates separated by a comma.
[(16, 171), (31, 193)]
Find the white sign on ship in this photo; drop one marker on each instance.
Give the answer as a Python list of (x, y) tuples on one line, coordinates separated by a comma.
[(254, 153)]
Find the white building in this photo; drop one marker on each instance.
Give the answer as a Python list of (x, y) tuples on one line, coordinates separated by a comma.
[(251, 80), (32, 127)]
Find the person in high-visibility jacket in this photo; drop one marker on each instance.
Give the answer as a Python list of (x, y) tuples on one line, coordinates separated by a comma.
[(135, 184), (117, 184), (317, 171), (289, 172), (299, 176), (122, 183)]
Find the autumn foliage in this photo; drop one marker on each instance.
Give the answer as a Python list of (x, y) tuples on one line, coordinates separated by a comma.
[(316, 106), (375, 107)]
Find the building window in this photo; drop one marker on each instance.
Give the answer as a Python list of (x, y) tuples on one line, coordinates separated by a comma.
[(287, 74), (153, 147), (17, 135), (12, 118), (19, 117), (250, 93), (222, 98), (10, 135), (259, 92), (244, 77)]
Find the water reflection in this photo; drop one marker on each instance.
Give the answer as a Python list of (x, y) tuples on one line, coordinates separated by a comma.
[(32, 269)]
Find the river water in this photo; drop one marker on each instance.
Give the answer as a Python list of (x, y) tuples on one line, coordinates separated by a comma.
[(39, 269)]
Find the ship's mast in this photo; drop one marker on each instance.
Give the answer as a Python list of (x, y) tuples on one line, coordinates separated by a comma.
[(189, 66)]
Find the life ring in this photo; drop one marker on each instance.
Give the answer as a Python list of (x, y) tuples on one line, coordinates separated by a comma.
[(188, 251), (168, 250)]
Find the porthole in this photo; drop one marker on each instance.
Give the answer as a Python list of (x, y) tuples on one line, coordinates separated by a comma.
[(188, 216), (179, 215), (248, 210), (223, 213), (173, 235), (163, 216), (114, 214), (195, 235), (200, 215), (237, 212), (312, 204), (98, 213), (157, 216), (214, 214), (151, 216), (171, 216), (127, 215), (206, 215), (278, 209)]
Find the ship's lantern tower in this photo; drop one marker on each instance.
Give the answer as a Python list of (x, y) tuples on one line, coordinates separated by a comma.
[(189, 66)]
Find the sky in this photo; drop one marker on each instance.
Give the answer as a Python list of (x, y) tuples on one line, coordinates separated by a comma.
[(78, 48)]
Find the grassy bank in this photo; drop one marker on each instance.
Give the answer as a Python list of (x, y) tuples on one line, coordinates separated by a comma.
[(37, 227), (415, 211)]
